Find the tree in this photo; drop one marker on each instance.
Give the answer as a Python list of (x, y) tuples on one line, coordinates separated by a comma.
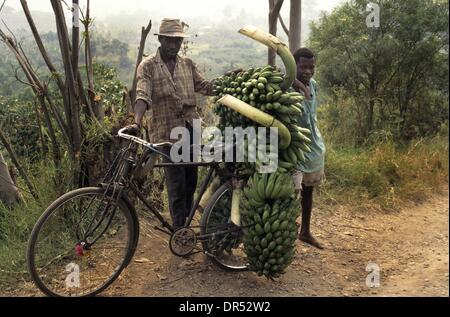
[(144, 33), (386, 70), (69, 120)]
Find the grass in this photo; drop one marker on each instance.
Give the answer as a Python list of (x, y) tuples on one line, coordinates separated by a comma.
[(17, 222), (385, 176)]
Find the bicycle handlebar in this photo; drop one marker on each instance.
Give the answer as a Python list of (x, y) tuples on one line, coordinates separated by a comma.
[(135, 139)]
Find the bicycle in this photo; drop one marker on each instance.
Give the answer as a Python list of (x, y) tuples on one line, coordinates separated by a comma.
[(87, 237)]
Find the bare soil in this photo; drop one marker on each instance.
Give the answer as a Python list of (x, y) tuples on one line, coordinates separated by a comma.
[(410, 248)]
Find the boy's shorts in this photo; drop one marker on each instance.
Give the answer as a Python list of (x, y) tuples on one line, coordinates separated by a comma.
[(307, 179)]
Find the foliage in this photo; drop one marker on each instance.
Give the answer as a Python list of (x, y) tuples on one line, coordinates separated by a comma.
[(391, 78), (16, 223), (18, 121)]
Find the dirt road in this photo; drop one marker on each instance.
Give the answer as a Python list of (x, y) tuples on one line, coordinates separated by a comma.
[(409, 250)]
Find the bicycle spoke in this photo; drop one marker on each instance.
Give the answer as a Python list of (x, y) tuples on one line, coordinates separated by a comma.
[(219, 235), (56, 245)]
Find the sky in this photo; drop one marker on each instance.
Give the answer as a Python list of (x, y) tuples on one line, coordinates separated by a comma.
[(179, 8)]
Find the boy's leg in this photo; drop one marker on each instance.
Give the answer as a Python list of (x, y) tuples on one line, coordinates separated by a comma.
[(309, 181), (305, 232)]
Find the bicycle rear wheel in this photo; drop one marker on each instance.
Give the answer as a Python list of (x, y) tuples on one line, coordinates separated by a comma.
[(224, 245), (81, 243)]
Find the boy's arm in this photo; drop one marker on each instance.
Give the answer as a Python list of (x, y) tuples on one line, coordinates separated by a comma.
[(301, 87)]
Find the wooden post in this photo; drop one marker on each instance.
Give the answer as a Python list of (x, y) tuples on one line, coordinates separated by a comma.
[(295, 25), (274, 11), (144, 34)]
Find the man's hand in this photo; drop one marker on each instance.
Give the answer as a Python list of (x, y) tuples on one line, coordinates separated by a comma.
[(132, 129)]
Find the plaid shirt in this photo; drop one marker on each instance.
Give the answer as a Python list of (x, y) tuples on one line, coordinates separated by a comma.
[(170, 100)]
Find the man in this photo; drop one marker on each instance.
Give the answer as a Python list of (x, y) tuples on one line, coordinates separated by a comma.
[(311, 171), (166, 87)]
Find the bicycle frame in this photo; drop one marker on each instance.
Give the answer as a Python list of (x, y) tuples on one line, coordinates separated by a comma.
[(122, 179), (203, 187)]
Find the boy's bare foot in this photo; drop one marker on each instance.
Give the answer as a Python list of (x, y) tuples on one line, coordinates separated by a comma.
[(308, 238)]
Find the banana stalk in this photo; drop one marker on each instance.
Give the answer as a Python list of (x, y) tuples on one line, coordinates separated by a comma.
[(235, 214), (279, 47), (210, 191), (258, 116)]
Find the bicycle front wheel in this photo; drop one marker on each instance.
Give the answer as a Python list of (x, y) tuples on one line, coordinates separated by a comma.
[(81, 243), (224, 243)]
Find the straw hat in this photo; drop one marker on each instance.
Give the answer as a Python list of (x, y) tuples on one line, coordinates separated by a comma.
[(172, 28)]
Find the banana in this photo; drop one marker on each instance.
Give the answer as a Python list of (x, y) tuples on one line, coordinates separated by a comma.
[(255, 189), (283, 118), (304, 138), (276, 87), (261, 188), (295, 94), (255, 75), (268, 68), (269, 88), (294, 100), (265, 74), (285, 156), (305, 148), (281, 170), (292, 156), (299, 153), (277, 74), (286, 165), (303, 130), (296, 110), (276, 189), (275, 80), (284, 98), (277, 95), (270, 185)]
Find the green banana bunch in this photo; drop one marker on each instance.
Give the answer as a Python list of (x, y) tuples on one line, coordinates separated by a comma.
[(269, 210), (268, 205), (259, 88), (295, 153)]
